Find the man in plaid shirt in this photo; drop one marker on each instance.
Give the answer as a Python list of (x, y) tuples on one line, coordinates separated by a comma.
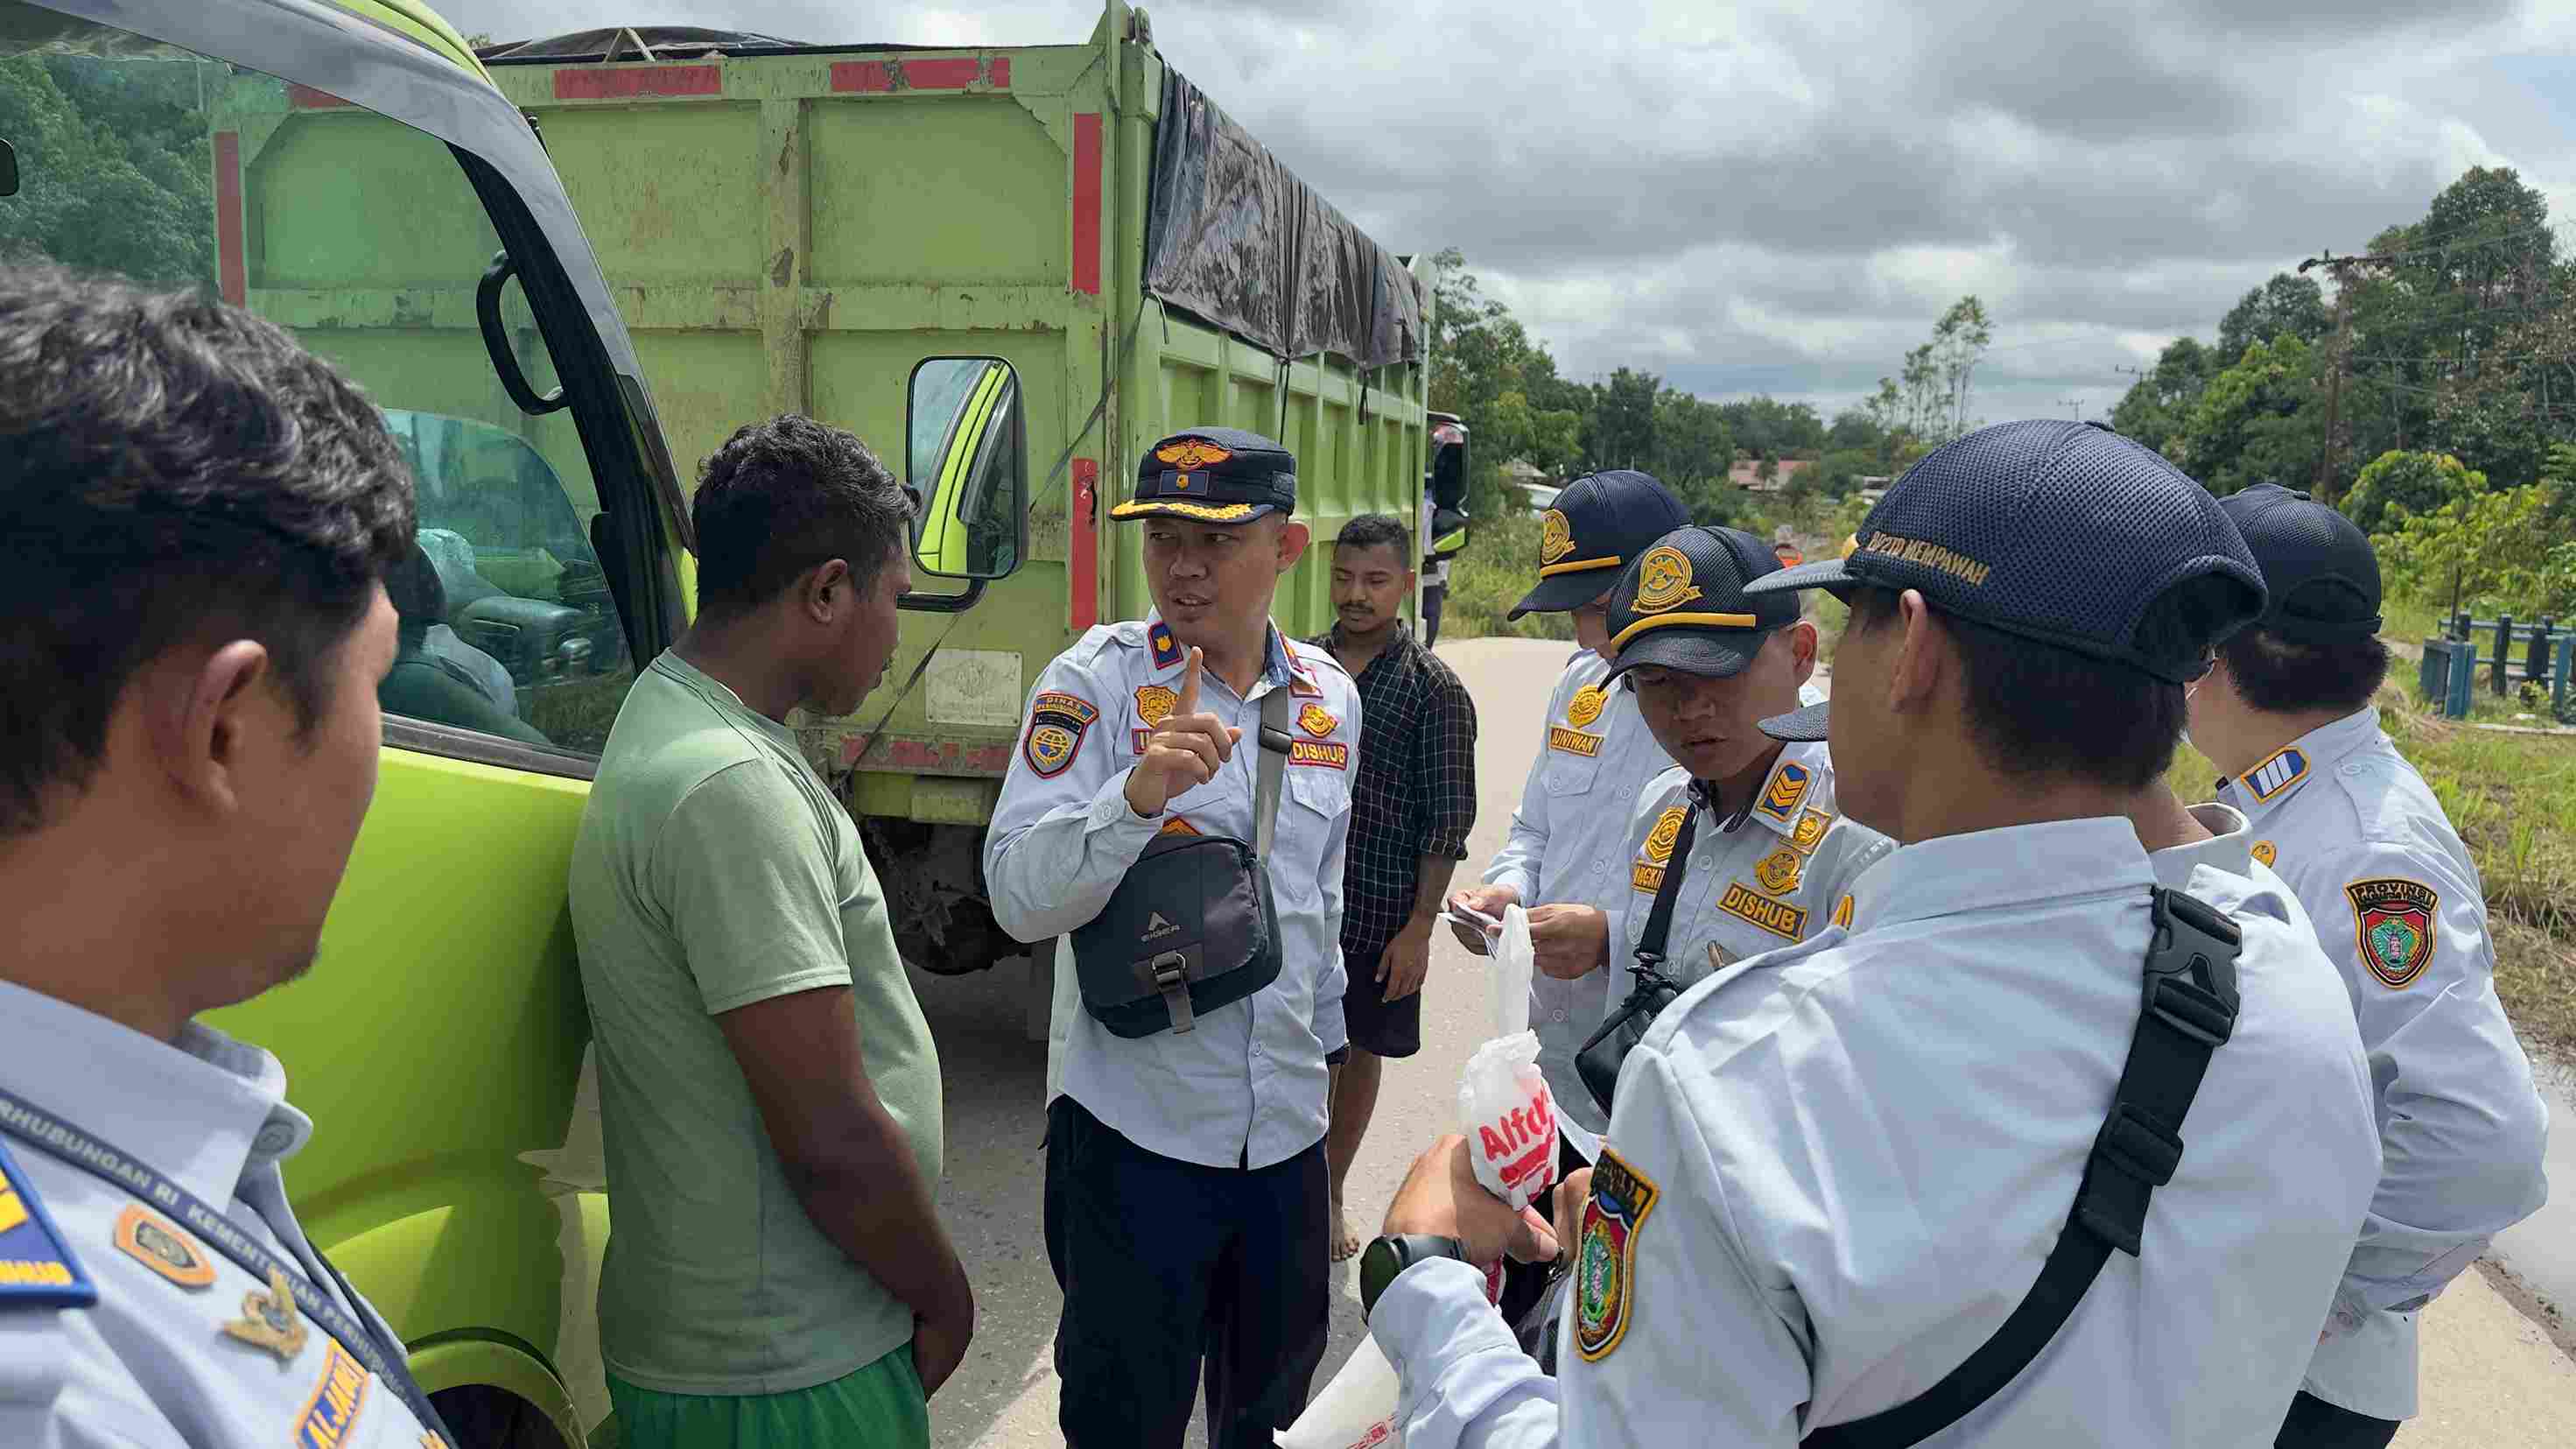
[(1413, 800)]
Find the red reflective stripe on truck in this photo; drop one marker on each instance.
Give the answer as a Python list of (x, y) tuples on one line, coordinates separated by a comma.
[(232, 268), (605, 83), (954, 73), (1001, 72), (942, 75), (864, 76), (1086, 202), (306, 98), (1082, 609), (906, 755)]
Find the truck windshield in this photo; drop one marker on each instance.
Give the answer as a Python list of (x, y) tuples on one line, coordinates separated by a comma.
[(364, 238)]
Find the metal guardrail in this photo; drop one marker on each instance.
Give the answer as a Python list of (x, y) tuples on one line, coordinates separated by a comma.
[(2449, 670)]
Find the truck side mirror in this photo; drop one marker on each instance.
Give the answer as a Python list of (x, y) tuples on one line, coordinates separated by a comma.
[(966, 453), (8, 169)]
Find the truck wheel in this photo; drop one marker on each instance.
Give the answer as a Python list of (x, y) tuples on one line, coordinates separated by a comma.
[(483, 1417)]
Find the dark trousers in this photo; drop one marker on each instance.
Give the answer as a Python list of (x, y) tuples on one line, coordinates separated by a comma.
[(1433, 597), (2316, 1424), (1167, 1265)]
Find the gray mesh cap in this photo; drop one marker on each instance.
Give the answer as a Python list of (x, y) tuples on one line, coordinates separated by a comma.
[(2056, 531)]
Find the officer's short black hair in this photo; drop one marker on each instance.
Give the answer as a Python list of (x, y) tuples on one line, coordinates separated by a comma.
[(1376, 530), (2287, 676), (785, 495), (177, 470), (2039, 710)]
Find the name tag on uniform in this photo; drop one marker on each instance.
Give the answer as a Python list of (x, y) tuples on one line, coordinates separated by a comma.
[(1573, 742), (1780, 918)]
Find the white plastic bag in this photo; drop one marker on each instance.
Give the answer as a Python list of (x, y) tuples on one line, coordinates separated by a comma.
[(1355, 1411), (1503, 1103)]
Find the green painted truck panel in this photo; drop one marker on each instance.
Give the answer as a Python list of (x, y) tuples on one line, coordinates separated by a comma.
[(797, 231)]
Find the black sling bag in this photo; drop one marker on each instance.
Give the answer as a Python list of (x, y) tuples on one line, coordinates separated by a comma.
[(1597, 1060)]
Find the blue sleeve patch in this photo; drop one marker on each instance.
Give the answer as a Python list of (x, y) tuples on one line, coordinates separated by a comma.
[(36, 1267)]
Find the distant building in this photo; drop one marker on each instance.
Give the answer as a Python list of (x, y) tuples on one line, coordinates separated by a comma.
[(1742, 474)]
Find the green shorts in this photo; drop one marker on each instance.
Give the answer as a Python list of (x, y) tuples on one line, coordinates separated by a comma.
[(877, 1407)]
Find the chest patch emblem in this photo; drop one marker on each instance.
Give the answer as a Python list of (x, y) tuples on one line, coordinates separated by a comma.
[(1605, 1255), (2266, 852), (1586, 706), (270, 1319), (327, 1419), (1780, 918), (2286, 768), (1788, 786), (1668, 828), (2394, 923), (1154, 703), (1555, 539), (1318, 721), (1574, 742), (1810, 832), (1057, 723), (150, 1239), (1778, 871), (1663, 580)]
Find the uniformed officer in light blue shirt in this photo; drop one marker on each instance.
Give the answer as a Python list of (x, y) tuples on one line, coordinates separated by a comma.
[(1187, 1203), (194, 528), (1836, 1172), (2398, 905)]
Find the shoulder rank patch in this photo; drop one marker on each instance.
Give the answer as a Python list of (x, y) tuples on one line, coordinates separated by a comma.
[(1778, 871), (1318, 721), (1788, 786), (1809, 832), (152, 1240), (36, 1266), (1154, 703), (2266, 852), (1668, 829), (1573, 742), (1331, 753), (1843, 911), (1605, 1255), (337, 1397), (2287, 767), (1780, 918), (1167, 649), (2394, 921), (1057, 723), (1586, 706)]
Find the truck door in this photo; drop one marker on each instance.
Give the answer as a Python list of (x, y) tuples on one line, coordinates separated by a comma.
[(360, 183)]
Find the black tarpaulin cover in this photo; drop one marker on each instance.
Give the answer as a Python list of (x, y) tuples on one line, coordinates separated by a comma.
[(1235, 238)]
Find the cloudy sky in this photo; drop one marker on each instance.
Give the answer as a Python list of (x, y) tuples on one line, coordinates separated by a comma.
[(1782, 198)]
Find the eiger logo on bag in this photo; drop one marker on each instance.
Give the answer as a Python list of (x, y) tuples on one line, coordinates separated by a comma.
[(1156, 928)]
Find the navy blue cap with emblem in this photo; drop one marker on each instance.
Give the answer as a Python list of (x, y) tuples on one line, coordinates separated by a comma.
[(2055, 531), (1681, 604), (2317, 564), (1213, 475), (1598, 524)]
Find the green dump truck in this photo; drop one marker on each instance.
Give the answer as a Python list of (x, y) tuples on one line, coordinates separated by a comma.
[(789, 227)]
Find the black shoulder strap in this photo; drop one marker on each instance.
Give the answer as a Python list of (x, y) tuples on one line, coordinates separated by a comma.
[(2189, 1012), (1659, 919)]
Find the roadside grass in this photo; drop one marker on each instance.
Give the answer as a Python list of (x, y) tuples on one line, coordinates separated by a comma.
[(2512, 798), (1489, 576)]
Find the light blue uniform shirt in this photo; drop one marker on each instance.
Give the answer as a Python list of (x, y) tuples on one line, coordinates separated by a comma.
[(2341, 815), (1569, 845), (1861, 1148), (149, 1364), (1247, 1086)]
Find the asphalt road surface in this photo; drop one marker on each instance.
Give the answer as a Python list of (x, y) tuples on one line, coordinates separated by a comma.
[(2493, 1377)]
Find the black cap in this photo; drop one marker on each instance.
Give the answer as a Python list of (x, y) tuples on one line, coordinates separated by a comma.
[(1600, 522), (2317, 565), (1682, 605), (2057, 531), (1213, 475)]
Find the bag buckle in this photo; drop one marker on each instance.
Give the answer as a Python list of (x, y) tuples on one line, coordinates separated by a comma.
[(1170, 974)]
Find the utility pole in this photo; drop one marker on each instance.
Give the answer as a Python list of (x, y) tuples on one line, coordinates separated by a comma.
[(2075, 403), (2342, 267)]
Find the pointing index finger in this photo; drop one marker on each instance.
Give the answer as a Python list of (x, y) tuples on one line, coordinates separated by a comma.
[(1190, 682)]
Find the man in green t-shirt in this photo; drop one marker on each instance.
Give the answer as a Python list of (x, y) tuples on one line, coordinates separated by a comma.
[(769, 1093)]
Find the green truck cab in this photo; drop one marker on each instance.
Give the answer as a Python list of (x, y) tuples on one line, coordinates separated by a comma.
[(947, 251)]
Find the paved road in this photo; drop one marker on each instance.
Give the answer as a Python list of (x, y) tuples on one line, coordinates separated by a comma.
[(2493, 1379)]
